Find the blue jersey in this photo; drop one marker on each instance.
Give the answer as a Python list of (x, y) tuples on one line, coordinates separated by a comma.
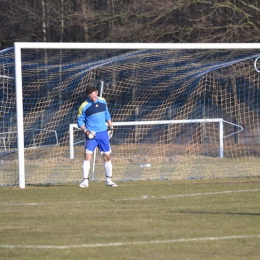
[(94, 115)]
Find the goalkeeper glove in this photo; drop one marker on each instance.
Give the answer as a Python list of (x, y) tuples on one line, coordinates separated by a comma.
[(110, 131), (90, 134)]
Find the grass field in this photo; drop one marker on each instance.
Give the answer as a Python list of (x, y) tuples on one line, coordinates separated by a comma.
[(196, 219)]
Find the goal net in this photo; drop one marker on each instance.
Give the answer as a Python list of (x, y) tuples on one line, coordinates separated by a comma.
[(179, 111)]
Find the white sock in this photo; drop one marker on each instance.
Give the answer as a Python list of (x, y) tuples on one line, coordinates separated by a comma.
[(108, 170), (85, 169)]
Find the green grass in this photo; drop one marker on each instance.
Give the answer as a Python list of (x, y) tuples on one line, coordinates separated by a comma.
[(202, 219)]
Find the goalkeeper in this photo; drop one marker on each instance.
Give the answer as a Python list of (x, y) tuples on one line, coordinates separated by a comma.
[(93, 114)]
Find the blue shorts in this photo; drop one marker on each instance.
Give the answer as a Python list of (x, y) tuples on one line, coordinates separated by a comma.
[(101, 141)]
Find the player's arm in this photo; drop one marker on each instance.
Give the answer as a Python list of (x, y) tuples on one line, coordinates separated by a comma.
[(81, 116), (109, 124), (81, 122)]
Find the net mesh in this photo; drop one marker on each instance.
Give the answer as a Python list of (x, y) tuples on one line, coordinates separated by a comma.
[(139, 85)]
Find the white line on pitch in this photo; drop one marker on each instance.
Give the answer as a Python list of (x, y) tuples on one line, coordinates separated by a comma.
[(181, 240), (130, 199)]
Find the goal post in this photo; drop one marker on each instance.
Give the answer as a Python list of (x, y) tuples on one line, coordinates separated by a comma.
[(19, 111), (169, 72)]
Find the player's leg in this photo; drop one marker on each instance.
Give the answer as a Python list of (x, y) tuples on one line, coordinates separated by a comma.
[(105, 149), (108, 170), (85, 170), (89, 146)]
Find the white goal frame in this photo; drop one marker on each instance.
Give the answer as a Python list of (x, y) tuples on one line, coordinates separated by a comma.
[(220, 121), (18, 46)]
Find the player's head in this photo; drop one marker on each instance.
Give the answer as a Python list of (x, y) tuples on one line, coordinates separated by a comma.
[(92, 93)]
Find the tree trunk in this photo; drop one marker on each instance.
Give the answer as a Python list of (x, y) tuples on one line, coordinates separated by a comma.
[(84, 20), (44, 37)]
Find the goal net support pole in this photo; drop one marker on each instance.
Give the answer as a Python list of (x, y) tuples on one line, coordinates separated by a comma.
[(95, 151), (220, 121)]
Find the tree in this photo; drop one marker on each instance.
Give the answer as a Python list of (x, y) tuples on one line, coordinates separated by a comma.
[(129, 21)]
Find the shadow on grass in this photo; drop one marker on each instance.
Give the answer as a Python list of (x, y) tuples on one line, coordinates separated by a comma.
[(219, 213)]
